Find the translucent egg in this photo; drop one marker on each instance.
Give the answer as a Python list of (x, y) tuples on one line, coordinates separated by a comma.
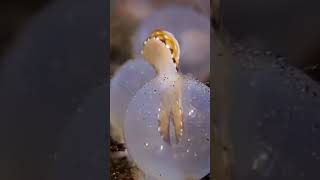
[(191, 29), (128, 79), (190, 157)]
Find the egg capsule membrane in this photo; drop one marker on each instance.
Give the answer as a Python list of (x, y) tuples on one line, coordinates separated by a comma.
[(128, 79), (190, 157), (192, 31)]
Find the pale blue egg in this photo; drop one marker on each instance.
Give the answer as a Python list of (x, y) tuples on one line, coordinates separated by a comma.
[(190, 158), (128, 79)]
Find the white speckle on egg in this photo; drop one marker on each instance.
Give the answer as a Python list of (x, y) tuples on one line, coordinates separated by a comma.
[(123, 86), (191, 112), (191, 155)]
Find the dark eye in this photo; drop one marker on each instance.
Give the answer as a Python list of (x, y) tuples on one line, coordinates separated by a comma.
[(171, 50), (162, 40)]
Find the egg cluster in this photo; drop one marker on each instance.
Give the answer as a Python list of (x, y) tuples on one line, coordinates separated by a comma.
[(162, 115)]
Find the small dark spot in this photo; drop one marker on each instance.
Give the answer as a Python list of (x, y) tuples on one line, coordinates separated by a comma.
[(225, 148), (162, 40), (115, 146), (174, 60), (279, 57), (315, 126), (220, 54), (207, 139), (263, 137), (314, 93)]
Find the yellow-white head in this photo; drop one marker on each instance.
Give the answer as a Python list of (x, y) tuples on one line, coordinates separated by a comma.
[(162, 51)]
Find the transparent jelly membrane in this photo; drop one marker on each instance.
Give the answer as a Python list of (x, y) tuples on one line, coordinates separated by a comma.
[(128, 79), (192, 31), (190, 158)]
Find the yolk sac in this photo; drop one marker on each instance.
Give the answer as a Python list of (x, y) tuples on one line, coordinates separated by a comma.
[(191, 29), (190, 157), (128, 79)]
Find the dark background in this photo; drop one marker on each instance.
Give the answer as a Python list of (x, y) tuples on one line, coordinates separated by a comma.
[(267, 93), (13, 15), (288, 28), (53, 54)]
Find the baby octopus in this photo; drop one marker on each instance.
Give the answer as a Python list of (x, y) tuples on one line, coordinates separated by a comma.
[(162, 51)]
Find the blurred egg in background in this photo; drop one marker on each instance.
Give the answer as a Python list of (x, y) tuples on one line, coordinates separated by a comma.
[(129, 78)]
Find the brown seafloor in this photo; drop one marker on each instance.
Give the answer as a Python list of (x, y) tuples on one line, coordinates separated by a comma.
[(120, 46)]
